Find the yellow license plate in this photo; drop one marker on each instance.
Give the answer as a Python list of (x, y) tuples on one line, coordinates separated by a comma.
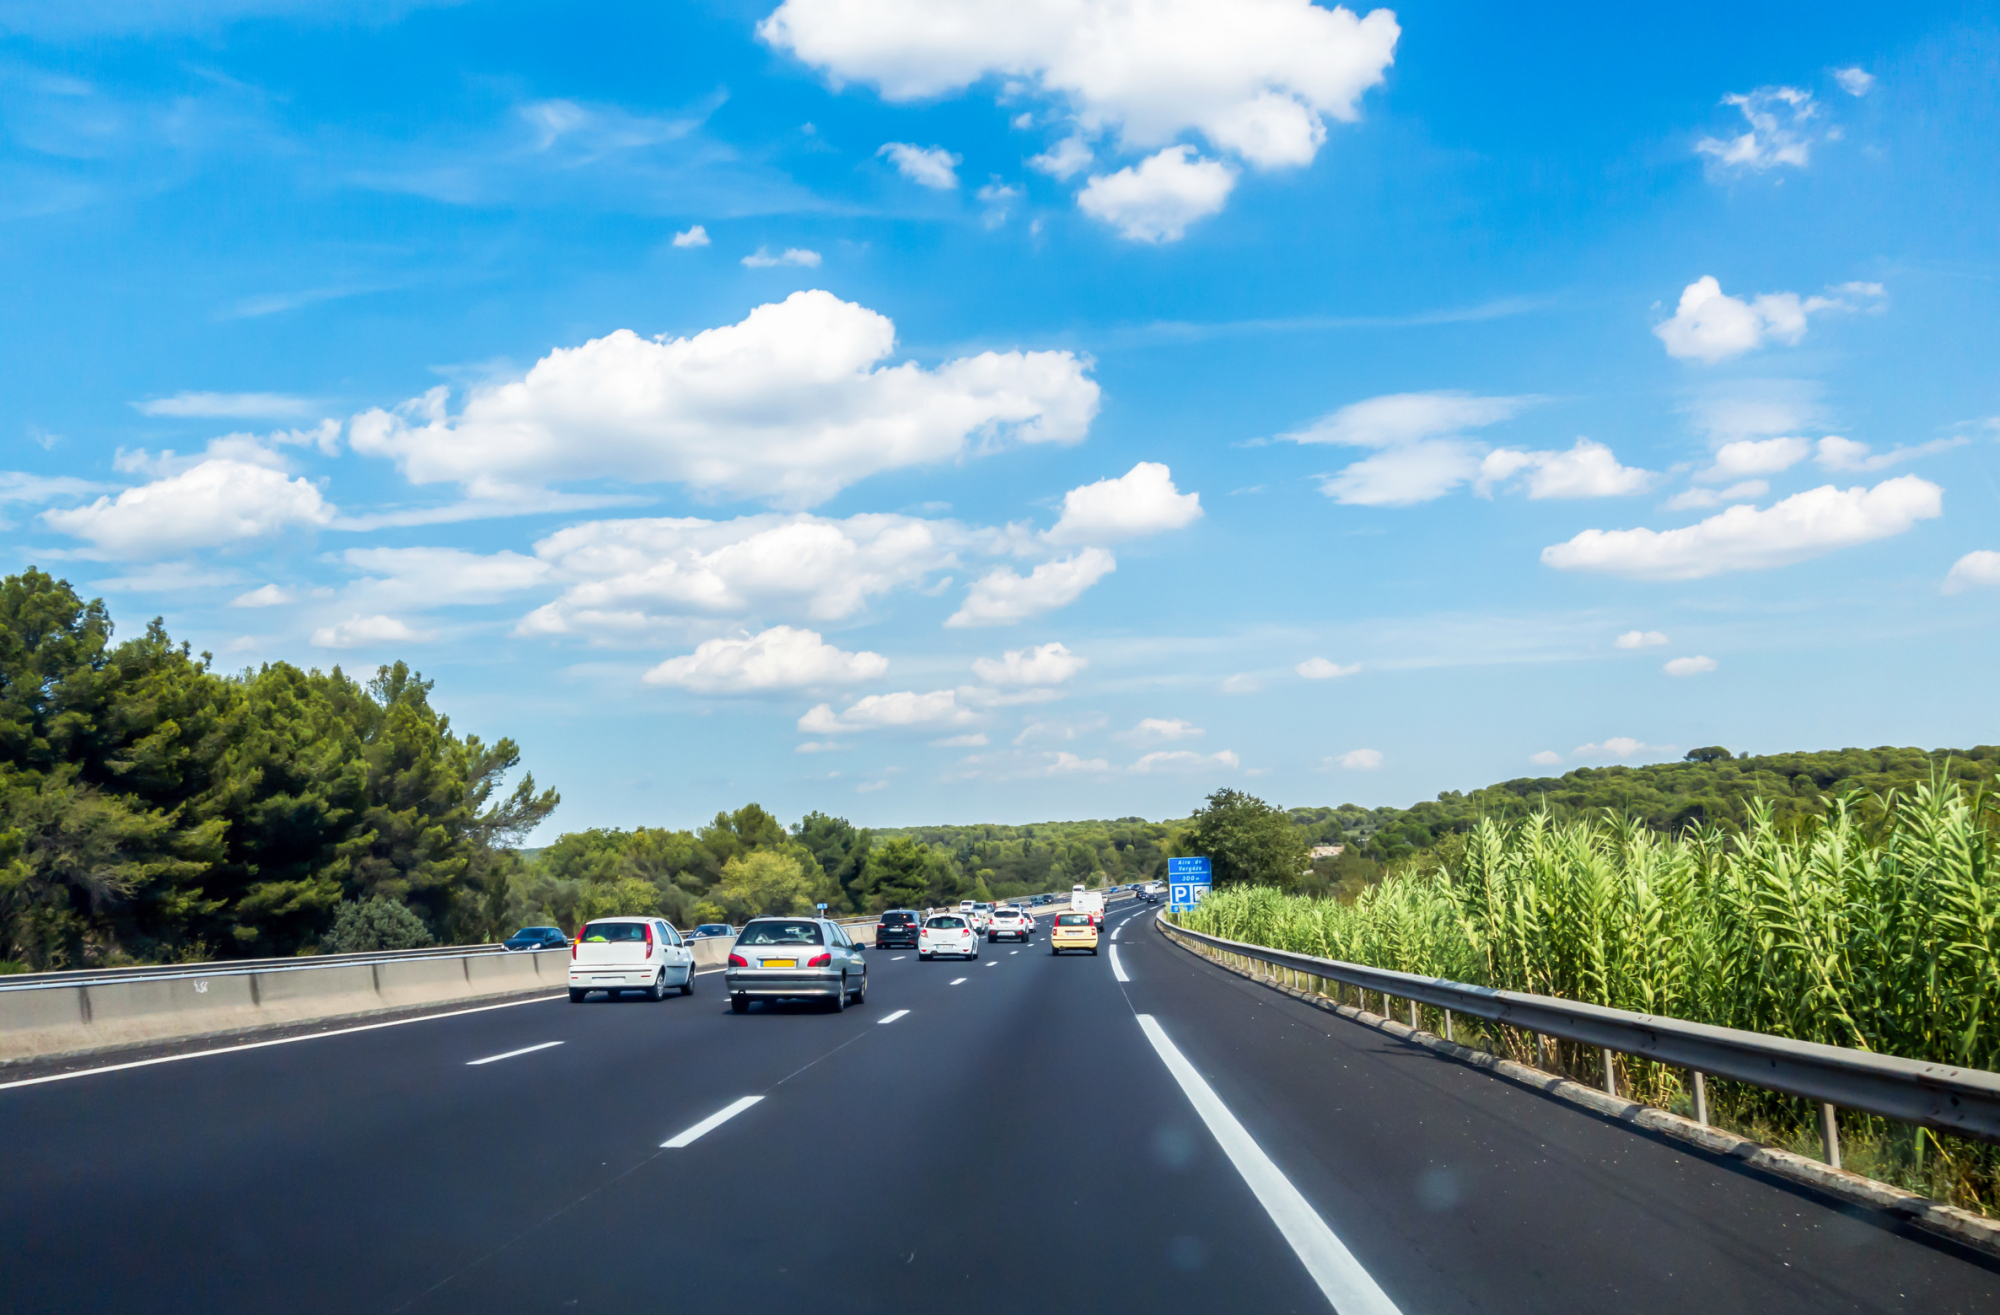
[(781, 963)]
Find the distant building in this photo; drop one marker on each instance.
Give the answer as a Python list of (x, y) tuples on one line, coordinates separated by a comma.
[(1325, 851)]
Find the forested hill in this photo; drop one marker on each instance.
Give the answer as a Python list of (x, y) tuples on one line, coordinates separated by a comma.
[(1709, 785)]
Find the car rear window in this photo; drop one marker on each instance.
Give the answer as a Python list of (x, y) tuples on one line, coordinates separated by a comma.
[(947, 921), (1073, 919), (898, 917), (601, 932), (781, 933)]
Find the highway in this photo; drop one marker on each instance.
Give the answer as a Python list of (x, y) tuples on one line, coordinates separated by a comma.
[(1004, 1135)]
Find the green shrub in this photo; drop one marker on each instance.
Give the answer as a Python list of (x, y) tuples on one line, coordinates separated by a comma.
[(380, 923)]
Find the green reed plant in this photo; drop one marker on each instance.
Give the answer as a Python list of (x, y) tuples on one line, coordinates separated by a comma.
[(1881, 935)]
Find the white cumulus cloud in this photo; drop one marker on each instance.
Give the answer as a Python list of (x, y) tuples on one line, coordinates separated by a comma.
[(1617, 748), (270, 595), (780, 658), (1755, 456), (227, 406), (1744, 538), (1546, 758), (1184, 760), (1640, 639), (628, 577), (1709, 325), (1777, 130), (1156, 199), (1003, 596), (1157, 730), (802, 257), (1318, 668), (219, 502), (1422, 454), (1748, 490), (1363, 760), (1258, 78), (1974, 570), (1689, 666), (367, 632), (1836, 453), (693, 237), (1065, 159), (1141, 501), (1855, 81), (792, 404), (935, 167), (1049, 664), (1586, 470), (903, 710), (401, 578)]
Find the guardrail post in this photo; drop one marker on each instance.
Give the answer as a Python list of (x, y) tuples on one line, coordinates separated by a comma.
[(1610, 1074), (1416, 1023), (1447, 1025), (1700, 1098), (1538, 1052), (1829, 1134)]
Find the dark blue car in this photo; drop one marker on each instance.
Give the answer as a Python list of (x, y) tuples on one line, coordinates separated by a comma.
[(537, 938)]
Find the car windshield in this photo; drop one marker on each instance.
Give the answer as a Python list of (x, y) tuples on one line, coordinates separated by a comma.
[(947, 922), (774, 932), (531, 932), (605, 932), (712, 929), (1073, 919)]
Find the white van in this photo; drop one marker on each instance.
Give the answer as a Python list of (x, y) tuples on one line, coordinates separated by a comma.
[(1087, 901), (614, 955)]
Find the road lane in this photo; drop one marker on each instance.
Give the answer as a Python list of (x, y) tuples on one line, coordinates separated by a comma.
[(1458, 1190)]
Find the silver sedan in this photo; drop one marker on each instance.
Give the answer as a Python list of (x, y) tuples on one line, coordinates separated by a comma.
[(795, 959)]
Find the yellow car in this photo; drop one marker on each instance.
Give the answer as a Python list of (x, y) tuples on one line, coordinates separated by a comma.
[(1073, 931)]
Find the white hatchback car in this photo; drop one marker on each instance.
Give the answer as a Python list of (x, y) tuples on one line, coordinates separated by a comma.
[(613, 955), (1012, 922), (947, 933)]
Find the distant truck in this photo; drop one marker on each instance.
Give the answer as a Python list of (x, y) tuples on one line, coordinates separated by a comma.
[(1087, 901)]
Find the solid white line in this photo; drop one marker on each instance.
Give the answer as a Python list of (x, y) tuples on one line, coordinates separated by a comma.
[(956, 980), (1339, 1275), (710, 1124), (259, 1045), (893, 1017), (1115, 930), (1117, 968), (524, 1050)]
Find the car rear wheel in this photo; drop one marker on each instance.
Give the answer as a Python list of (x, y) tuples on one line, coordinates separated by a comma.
[(687, 987), (738, 1005), (659, 987), (861, 991), (840, 997), (576, 996)]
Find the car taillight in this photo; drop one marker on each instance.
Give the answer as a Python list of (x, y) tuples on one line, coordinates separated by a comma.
[(648, 928), (738, 961), (820, 960), (578, 941)]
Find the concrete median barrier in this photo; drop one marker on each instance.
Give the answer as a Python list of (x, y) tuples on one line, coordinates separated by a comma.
[(47, 1021)]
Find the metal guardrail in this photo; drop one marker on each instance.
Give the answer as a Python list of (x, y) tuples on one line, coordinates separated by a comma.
[(234, 967), (1958, 1100)]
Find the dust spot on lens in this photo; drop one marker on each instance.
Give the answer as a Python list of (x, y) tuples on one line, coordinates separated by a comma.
[(1173, 1147), (1438, 1189)]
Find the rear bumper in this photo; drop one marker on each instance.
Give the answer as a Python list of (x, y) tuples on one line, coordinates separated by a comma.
[(1073, 942), (597, 979), (782, 983)]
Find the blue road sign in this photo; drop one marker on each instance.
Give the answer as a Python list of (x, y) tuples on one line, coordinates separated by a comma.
[(1187, 882)]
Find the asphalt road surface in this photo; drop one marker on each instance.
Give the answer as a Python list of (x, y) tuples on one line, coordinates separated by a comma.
[(1020, 1133)]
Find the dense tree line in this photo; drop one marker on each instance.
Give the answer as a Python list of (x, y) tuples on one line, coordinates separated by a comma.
[(152, 808)]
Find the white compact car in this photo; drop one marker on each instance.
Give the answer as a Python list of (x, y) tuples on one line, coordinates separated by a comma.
[(1010, 922), (947, 933), (629, 954)]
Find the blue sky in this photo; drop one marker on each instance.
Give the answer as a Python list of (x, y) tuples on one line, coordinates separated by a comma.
[(967, 410)]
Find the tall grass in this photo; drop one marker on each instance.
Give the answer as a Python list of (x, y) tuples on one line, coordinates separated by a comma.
[(1881, 937)]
